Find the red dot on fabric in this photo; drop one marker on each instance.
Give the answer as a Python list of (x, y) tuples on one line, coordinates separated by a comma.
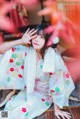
[(67, 75), (11, 69), (43, 99), (24, 110), (22, 67), (20, 76), (11, 60), (50, 73), (52, 91), (13, 49)]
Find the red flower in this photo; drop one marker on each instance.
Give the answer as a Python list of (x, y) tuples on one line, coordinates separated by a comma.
[(43, 99), (11, 60), (52, 91), (20, 76), (24, 110), (22, 67), (67, 75), (51, 73), (13, 49), (11, 69)]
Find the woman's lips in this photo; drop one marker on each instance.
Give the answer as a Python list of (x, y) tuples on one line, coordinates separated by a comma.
[(36, 44)]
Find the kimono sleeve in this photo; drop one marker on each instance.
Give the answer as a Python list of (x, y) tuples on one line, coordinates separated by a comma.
[(11, 68), (60, 84)]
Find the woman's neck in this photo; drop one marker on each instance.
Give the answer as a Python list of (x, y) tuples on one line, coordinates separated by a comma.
[(39, 54)]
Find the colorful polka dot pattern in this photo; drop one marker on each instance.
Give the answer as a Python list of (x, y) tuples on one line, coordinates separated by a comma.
[(46, 102), (16, 67)]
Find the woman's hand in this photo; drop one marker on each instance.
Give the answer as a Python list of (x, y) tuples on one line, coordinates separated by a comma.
[(29, 34), (59, 113), (24, 40), (63, 114)]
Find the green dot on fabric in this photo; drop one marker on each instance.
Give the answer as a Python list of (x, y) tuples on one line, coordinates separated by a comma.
[(57, 89), (41, 66), (26, 114), (18, 63), (14, 55), (67, 82), (8, 79), (47, 103), (14, 96), (25, 99)]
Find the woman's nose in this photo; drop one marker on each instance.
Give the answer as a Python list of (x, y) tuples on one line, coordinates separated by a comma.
[(37, 39)]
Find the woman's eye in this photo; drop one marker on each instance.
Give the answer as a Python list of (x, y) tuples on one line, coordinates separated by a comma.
[(42, 36)]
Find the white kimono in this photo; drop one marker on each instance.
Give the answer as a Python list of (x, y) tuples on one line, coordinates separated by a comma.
[(47, 81)]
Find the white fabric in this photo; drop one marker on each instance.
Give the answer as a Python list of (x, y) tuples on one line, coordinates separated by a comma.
[(49, 61), (7, 57), (30, 67), (60, 86), (11, 79), (30, 70)]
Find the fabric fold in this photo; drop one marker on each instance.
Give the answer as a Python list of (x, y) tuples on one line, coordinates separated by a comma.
[(30, 67), (49, 60), (60, 83), (30, 70)]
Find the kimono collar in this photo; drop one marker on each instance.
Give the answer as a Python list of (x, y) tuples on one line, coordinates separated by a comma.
[(30, 66)]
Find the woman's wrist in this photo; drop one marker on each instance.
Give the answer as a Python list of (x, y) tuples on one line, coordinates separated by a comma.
[(56, 107), (21, 42)]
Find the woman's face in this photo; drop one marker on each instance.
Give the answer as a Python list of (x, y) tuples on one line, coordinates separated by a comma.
[(38, 42)]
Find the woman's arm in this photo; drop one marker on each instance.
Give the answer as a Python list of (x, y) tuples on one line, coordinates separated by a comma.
[(7, 45), (24, 40)]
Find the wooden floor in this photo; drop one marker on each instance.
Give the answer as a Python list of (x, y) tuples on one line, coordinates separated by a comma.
[(74, 111)]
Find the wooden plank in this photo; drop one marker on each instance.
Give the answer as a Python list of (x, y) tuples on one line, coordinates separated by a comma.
[(47, 115), (76, 112)]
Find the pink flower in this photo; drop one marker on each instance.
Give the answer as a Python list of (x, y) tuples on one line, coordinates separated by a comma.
[(5, 7), (27, 2), (13, 49), (43, 99), (20, 76), (67, 75), (24, 110), (22, 67), (52, 91), (11, 69)]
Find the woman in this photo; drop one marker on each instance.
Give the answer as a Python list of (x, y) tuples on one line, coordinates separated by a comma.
[(41, 70)]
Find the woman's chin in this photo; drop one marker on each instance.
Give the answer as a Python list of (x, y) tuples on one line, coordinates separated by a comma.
[(36, 47)]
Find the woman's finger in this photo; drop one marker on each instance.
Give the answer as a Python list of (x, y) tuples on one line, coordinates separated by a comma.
[(62, 116), (27, 30), (34, 36), (30, 31), (33, 32), (58, 117), (68, 116), (67, 113)]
